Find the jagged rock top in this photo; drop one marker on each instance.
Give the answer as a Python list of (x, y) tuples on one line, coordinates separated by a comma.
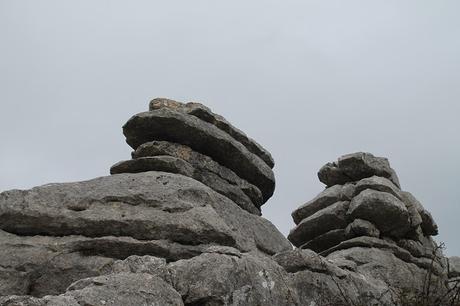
[(190, 140), (354, 167), (363, 198), (174, 125), (205, 114)]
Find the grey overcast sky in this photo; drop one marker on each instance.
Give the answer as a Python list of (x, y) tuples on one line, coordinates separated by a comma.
[(309, 80)]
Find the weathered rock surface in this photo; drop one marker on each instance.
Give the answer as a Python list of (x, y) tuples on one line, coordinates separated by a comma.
[(360, 227), (204, 113), (425, 219), (115, 289), (179, 224), (354, 167), (176, 165), (384, 235), (325, 241), (379, 207), (327, 197), (454, 266), (151, 210), (327, 219), (203, 164), (166, 124)]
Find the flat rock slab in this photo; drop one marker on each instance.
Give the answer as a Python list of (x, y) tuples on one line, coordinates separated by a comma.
[(325, 241), (179, 166), (200, 162), (331, 218), (399, 252), (143, 206), (354, 167), (165, 124), (420, 216), (377, 183), (382, 209), (115, 290), (326, 198), (361, 227), (299, 260), (204, 113), (374, 263), (124, 289)]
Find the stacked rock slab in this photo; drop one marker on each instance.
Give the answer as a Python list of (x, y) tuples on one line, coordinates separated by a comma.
[(362, 209), (189, 139), (174, 200), (189, 231)]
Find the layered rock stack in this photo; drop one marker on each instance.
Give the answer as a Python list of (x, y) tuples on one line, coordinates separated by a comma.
[(363, 208), (179, 224), (189, 139), (195, 186)]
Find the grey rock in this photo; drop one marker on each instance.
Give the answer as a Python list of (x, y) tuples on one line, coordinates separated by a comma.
[(44, 265), (317, 288), (201, 162), (328, 219), (361, 227), (377, 183), (417, 248), (175, 126), (384, 210), (354, 167), (344, 263), (144, 206), (454, 266), (140, 264), (115, 206), (32, 301), (13, 281), (366, 243), (156, 163), (178, 166), (326, 198), (205, 114), (425, 219), (325, 241), (383, 265), (124, 289), (298, 260), (217, 279)]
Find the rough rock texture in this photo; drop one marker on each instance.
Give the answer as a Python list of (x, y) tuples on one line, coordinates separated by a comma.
[(379, 207), (384, 231), (326, 198), (204, 113), (170, 125), (180, 224), (179, 166), (354, 167), (330, 218)]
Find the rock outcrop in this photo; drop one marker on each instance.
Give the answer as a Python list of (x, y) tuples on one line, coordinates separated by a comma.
[(180, 224), (365, 217)]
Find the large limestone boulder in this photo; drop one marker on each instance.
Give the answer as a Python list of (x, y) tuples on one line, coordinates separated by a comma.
[(166, 124), (327, 197), (59, 233), (204, 113), (384, 234), (379, 208), (327, 219)]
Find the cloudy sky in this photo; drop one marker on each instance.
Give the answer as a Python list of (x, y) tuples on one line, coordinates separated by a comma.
[(310, 80)]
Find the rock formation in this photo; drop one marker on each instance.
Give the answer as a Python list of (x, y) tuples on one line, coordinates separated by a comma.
[(180, 224)]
